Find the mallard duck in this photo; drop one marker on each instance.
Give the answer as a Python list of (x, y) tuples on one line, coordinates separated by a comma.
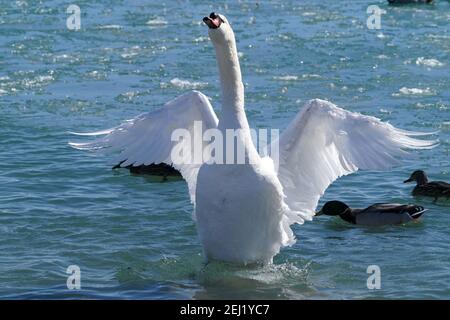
[(376, 215), (435, 189)]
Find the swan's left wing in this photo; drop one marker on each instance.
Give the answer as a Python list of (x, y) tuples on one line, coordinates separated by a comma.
[(147, 139), (325, 142)]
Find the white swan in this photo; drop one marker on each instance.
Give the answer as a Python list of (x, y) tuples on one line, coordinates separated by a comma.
[(244, 211)]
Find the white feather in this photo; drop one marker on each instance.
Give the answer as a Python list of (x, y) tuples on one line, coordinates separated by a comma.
[(325, 142), (146, 139)]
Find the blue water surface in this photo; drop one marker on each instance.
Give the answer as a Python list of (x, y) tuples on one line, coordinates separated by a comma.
[(133, 238)]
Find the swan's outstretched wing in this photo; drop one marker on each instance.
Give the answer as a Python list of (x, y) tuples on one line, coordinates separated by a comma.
[(325, 142), (147, 138)]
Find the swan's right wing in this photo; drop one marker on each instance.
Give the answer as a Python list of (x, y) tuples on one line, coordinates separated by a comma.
[(325, 142), (147, 139)]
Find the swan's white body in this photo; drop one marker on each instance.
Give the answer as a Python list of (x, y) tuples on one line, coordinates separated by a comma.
[(244, 211), (239, 210)]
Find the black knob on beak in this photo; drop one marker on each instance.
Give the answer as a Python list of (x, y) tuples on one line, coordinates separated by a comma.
[(213, 21)]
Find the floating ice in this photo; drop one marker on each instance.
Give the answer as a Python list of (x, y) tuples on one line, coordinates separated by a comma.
[(157, 22), (421, 61), (286, 78), (186, 84), (414, 92)]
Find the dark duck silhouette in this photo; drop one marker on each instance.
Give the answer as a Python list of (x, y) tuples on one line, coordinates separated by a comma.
[(378, 214), (160, 170), (435, 189)]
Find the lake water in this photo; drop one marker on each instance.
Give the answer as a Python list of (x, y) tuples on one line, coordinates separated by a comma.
[(133, 238)]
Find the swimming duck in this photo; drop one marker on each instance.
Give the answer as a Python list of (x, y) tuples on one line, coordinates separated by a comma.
[(376, 215), (435, 189)]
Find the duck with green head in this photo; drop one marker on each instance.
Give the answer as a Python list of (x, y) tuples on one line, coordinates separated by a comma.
[(376, 215), (435, 189)]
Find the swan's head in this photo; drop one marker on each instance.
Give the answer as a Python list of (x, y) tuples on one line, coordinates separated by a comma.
[(220, 30)]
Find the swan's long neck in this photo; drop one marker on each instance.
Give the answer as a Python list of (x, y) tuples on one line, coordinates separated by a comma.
[(233, 114), (232, 87)]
